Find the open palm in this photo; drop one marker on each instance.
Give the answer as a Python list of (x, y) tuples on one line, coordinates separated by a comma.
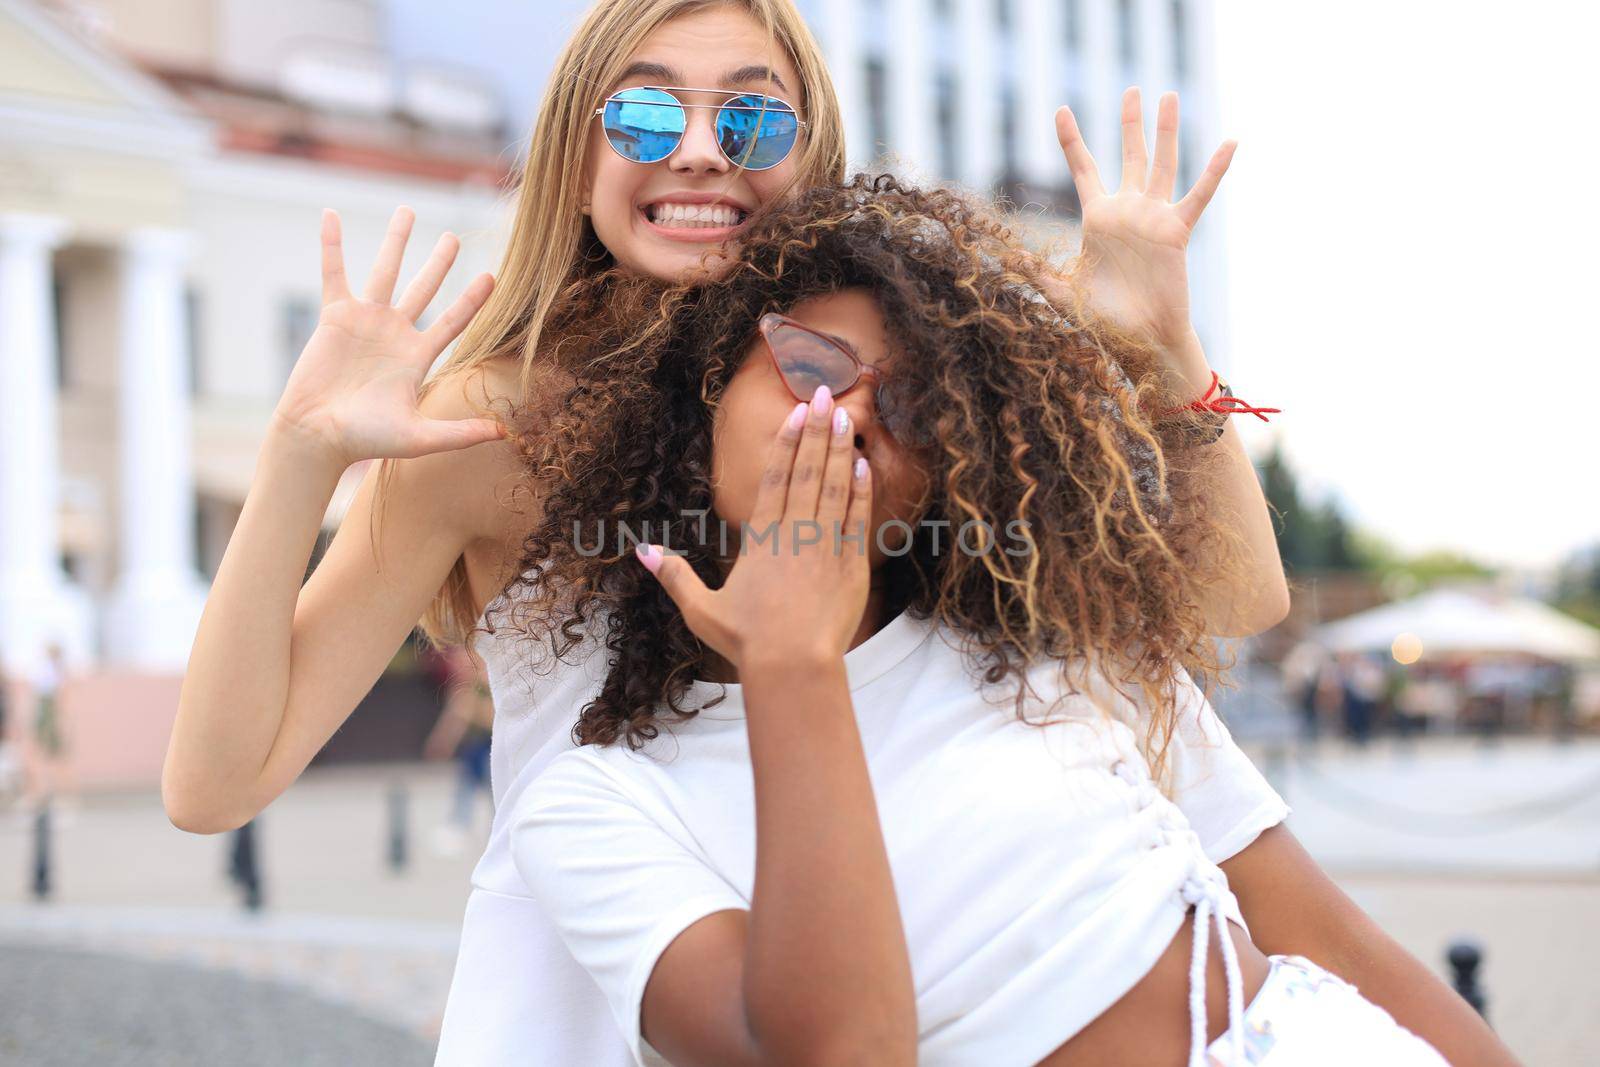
[(1132, 267), (355, 387)]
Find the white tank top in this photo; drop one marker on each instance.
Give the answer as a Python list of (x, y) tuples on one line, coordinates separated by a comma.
[(517, 995)]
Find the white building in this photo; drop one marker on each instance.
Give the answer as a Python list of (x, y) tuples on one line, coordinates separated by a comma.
[(967, 90), (162, 172)]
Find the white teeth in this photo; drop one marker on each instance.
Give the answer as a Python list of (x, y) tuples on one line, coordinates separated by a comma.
[(694, 216)]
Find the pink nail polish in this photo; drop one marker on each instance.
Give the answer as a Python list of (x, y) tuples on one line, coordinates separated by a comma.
[(649, 555), (821, 399), (797, 417)]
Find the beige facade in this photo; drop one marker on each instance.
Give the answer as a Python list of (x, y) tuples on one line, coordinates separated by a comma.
[(156, 285)]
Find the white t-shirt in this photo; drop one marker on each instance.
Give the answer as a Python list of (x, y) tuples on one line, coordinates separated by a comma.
[(517, 996), (1039, 869)]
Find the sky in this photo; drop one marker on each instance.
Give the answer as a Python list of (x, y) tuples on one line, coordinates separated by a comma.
[(1411, 239)]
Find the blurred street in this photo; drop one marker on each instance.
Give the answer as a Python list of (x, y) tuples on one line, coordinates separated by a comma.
[(358, 958)]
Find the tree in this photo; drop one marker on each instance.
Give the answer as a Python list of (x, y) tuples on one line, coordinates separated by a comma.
[(1309, 537)]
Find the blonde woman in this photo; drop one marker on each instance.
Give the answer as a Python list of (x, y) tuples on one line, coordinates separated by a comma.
[(666, 127)]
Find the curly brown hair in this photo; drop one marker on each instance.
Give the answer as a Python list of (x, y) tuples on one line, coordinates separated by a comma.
[(1037, 412)]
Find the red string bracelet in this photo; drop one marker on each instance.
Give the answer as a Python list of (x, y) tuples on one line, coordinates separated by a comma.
[(1226, 404)]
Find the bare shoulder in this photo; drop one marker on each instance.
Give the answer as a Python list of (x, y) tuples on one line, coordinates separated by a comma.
[(485, 486)]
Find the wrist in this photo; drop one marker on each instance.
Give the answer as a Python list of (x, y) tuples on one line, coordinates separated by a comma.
[(789, 668), (290, 443), (1183, 359)]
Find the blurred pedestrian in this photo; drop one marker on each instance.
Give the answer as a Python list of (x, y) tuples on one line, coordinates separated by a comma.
[(464, 729), (10, 759), (1362, 680), (53, 779), (1302, 674)]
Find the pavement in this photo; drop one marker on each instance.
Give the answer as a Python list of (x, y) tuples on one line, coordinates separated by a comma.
[(143, 953)]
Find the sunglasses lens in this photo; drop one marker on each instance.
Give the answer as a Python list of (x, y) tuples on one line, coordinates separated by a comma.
[(644, 125), (757, 132), (896, 413), (807, 361)]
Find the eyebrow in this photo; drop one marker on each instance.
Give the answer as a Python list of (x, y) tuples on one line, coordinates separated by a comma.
[(742, 76)]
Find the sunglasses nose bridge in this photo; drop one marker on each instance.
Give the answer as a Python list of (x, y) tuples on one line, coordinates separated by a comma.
[(698, 148)]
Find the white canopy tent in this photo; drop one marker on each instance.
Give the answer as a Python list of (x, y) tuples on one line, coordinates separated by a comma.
[(1457, 621)]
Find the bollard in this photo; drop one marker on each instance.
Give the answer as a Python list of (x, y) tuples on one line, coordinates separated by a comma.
[(242, 867), (1465, 958), (41, 851), (397, 827)]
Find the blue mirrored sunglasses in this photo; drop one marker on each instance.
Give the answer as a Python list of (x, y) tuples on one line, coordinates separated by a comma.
[(646, 124)]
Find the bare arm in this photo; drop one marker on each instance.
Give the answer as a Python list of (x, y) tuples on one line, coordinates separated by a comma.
[(817, 972), (1263, 601), (1294, 907), (276, 668)]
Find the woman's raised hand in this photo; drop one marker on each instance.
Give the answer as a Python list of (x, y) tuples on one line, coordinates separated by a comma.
[(798, 588), (1132, 268), (353, 391)]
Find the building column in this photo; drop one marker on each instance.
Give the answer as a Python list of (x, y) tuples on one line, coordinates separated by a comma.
[(1208, 256), (978, 100), (37, 603), (841, 43), (912, 99), (156, 603), (1101, 122), (1041, 42)]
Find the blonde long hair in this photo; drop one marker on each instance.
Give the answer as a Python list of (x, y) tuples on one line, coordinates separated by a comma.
[(551, 243)]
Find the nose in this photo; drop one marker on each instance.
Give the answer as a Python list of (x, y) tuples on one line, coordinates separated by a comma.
[(698, 152), (861, 401)]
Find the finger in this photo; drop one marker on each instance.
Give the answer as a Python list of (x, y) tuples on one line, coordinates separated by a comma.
[(1085, 175), (1134, 161), (773, 493), (805, 481), (425, 286), (334, 286), (834, 494), (446, 435), (681, 583), (1164, 174), (858, 515), (380, 283), (457, 315), (1190, 207)]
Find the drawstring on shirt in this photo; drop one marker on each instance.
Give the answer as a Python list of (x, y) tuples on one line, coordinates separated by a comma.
[(1204, 889)]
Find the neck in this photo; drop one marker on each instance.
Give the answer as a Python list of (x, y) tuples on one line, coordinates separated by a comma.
[(717, 668)]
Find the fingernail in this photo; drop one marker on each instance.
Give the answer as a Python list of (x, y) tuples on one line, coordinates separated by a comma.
[(820, 399), (649, 555), (861, 467), (797, 417), (841, 421)]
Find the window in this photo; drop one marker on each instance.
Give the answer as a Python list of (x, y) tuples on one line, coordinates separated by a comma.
[(1126, 34), (1010, 157), (191, 314), (299, 322), (947, 96), (1180, 49), (878, 106), (58, 324)]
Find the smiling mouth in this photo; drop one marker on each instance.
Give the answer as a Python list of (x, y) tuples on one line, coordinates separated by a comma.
[(672, 216)]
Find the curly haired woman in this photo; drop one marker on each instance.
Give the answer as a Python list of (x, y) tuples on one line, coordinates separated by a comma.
[(898, 757)]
